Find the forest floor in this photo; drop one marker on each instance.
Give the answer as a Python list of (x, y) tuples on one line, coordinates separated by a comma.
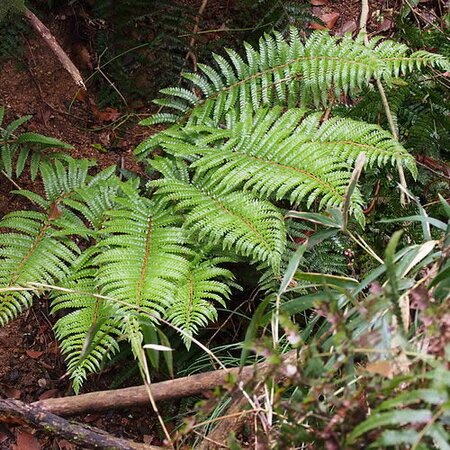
[(31, 367)]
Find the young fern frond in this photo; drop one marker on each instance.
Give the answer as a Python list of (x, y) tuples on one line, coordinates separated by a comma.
[(289, 73), (239, 220), (193, 308), (16, 150)]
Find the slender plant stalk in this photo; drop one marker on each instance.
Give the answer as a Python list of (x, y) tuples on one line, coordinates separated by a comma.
[(387, 110)]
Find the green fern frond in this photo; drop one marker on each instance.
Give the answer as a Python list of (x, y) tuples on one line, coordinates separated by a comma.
[(16, 150), (238, 220), (61, 178), (32, 252), (283, 155), (288, 73), (141, 256), (88, 331), (193, 308)]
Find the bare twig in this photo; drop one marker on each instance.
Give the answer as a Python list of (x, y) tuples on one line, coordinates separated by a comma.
[(50, 40), (190, 53), (138, 395)]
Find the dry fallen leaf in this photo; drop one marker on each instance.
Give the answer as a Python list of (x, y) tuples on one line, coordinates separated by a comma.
[(387, 24), (51, 393), (3, 437), (55, 213), (25, 441), (349, 27), (107, 115), (33, 353), (329, 20), (66, 445), (13, 393), (318, 2)]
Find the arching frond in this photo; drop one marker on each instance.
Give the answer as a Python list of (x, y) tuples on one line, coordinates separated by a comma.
[(32, 251), (283, 155), (140, 258), (88, 330), (289, 73)]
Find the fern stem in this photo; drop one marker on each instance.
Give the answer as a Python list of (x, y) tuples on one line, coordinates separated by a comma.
[(394, 131), (387, 109)]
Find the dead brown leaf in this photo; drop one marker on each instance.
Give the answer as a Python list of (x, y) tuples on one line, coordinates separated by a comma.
[(349, 27), (55, 213), (329, 20), (108, 115), (51, 393), (13, 393), (25, 441), (33, 354), (3, 437)]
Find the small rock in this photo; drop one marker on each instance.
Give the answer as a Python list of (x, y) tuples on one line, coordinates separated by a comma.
[(42, 382)]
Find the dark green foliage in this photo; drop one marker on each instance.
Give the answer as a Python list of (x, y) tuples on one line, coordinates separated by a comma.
[(12, 31), (10, 7), (16, 149), (140, 46), (372, 369), (278, 15)]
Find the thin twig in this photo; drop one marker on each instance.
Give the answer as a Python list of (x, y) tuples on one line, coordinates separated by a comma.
[(11, 180), (190, 53)]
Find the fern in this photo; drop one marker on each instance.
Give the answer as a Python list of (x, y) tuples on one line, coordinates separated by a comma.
[(15, 150), (31, 252), (286, 72), (252, 227), (281, 156), (193, 308), (90, 326), (243, 147)]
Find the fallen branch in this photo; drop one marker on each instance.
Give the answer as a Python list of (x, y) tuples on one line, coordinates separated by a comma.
[(15, 411), (137, 395), (50, 40)]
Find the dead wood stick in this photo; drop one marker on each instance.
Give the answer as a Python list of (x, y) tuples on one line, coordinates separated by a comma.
[(50, 40), (21, 413), (190, 53), (137, 395)]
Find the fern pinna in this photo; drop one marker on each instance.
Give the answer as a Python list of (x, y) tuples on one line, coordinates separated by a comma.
[(244, 142)]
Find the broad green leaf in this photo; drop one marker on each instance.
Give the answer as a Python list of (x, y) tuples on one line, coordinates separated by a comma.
[(314, 218), (326, 279), (253, 326), (400, 417), (292, 267)]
